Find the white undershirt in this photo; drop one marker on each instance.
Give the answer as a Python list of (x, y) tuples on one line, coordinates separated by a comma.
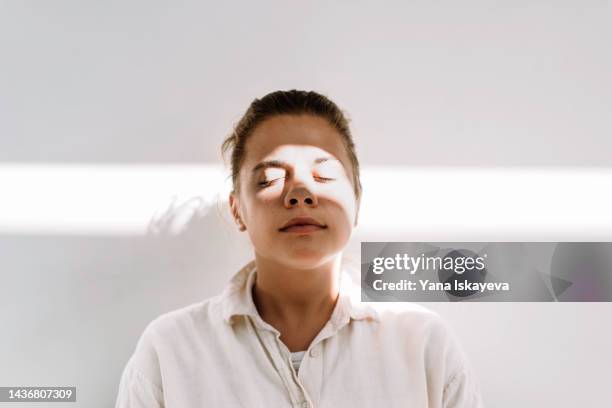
[(296, 359)]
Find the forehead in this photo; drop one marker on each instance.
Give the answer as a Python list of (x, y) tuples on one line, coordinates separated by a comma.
[(294, 138)]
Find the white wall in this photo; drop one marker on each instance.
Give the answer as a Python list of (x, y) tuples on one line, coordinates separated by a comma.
[(104, 104)]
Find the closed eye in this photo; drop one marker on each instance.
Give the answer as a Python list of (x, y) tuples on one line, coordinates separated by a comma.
[(324, 179), (267, 183)]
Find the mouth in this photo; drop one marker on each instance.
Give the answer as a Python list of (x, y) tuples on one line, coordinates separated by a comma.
[(303, 225), (304, 229)]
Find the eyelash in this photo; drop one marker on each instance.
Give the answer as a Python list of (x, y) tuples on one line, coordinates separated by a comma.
[(324, 178), (269, 182)]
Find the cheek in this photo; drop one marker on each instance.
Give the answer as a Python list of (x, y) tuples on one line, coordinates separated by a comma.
[(260, 216), (258, 201), (345, 199), (341, 214)]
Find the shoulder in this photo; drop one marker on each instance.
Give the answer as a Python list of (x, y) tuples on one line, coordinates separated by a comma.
[(428, 337), (141, 381), (410, 317), (186, 318), (422, 330), (172, 331)]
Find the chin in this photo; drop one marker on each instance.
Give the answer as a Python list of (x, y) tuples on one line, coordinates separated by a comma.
[(303, 259)]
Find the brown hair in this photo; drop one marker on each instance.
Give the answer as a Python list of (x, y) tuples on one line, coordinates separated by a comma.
[(293, 102)]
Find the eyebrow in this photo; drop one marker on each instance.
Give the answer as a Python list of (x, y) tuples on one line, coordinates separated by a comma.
[(281, 164)]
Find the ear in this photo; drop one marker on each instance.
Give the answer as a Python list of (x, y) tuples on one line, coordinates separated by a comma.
[(235, 210), (357, 211)]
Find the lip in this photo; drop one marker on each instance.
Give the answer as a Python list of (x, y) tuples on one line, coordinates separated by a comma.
[(302, 224), (302, 229)]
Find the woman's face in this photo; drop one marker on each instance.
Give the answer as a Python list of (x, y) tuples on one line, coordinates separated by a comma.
[(296, 166)]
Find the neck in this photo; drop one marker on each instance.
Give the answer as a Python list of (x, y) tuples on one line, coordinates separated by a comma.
[(291, 297)]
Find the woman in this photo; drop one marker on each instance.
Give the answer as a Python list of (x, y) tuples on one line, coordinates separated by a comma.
[(288, 330)]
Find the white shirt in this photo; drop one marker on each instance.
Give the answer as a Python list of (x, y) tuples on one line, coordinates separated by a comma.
[(220, 353)]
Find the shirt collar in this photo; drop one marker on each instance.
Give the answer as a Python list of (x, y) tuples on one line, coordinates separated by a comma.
[(237, 298)]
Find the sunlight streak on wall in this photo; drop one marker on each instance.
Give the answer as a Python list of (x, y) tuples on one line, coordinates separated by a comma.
[(124, 199)]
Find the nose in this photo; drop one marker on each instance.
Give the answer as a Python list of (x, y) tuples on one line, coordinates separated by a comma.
[(300, 195)]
